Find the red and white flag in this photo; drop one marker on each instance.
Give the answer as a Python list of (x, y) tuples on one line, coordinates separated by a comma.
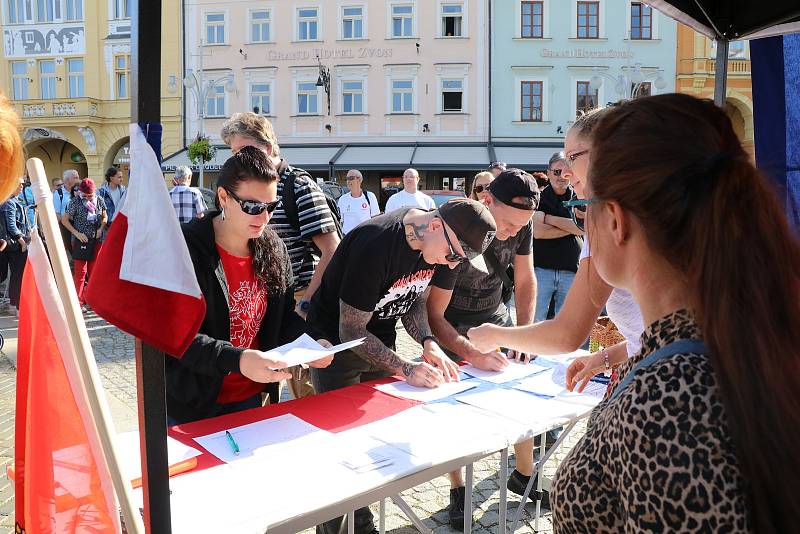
[(143, 280), (62, 481)]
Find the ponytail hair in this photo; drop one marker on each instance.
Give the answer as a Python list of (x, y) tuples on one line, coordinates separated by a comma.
[(674, 162), (270, 258)]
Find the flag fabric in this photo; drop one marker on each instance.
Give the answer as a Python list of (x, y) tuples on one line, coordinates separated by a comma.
[(143, 279), (62, 481)]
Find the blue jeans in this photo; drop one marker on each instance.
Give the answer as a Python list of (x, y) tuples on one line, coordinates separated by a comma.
[(551, 285)]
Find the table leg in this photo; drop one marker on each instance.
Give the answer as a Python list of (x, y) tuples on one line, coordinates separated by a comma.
[(468, 499), (503, 505), (351, 522), (382, 518), (415, 520), (542, 451)]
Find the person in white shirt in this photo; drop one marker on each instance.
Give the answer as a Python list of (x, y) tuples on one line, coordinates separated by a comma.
[(358, 205), (410, 197)]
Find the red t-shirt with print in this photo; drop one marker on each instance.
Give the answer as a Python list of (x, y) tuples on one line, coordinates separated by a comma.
[(248, 304)]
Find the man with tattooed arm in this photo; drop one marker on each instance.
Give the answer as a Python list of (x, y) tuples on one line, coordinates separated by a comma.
[(379, 273)]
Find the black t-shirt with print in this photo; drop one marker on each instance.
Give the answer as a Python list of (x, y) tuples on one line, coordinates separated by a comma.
[(561, 253), (373, 270), (481, 293)]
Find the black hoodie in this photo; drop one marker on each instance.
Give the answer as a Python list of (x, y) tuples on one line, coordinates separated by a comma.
[(195, 379)]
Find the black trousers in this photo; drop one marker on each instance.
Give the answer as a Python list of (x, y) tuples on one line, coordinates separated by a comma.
[(16, 263)]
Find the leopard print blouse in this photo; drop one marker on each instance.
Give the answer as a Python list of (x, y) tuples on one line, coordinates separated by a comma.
[(659, 457)]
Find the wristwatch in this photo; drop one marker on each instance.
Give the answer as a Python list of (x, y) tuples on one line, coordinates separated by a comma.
[(304, 305)]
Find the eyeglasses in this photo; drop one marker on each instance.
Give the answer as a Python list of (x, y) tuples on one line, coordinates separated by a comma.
[(572, 157), (454, 256), (59, 184), (480, 188), (253, 207), (348, 178), (556, 172)]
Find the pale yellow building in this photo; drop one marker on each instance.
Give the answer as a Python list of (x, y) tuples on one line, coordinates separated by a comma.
[(67, 67), (696, 67)]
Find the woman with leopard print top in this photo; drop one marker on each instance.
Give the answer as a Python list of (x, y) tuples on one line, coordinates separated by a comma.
[(698, 431)]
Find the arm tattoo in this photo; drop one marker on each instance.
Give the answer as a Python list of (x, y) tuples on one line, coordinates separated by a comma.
[(353, 325), (416, 319)]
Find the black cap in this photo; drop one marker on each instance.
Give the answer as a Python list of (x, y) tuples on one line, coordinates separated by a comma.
[(516, 184), (473, 225)]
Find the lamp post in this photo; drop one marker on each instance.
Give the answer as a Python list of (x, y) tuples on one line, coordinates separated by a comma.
[(324, 81), (628, 83), (200, 88)]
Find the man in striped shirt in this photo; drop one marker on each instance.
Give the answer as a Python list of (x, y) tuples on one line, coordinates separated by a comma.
[(316, 223)]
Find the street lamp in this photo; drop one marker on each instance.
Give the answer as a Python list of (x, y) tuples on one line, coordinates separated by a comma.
[(324, 81), (200, 88), (629, 82)]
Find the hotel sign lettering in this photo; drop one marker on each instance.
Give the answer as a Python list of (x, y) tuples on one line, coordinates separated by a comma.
[(362, 52), (586, 53)]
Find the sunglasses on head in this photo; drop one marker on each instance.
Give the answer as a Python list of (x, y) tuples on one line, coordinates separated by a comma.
[(253, 207), (454, 256)]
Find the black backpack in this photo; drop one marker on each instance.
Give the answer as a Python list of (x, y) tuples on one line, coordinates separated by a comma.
[(290, 204)]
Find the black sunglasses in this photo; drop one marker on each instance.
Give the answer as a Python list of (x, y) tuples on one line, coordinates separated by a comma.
[(454, 256), (556, 172), (480, 188), (253, 207)]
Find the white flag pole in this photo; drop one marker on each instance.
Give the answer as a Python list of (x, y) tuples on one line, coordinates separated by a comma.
[(86, 363)]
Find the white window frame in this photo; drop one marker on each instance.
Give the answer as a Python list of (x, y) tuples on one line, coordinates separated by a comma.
[(655, 23), (117, 8), (464, 17), (126, 72), (250, 95), (363, 17), (317, 99), (216, 24), (601, 21), (390, 19), (443, 90), (317, 19), (78, 76), (52, 80), (77, 8), (54, 14), (545, 20), (343, 91), (252, 22), (452, 72), (27, 11), (21, 81), (262, 76), (215, 92), (411, 90)]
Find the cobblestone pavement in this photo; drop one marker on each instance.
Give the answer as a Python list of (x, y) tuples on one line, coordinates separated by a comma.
[(115, 359)]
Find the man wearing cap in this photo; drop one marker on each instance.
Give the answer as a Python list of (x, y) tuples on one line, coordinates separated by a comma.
[(381, 272), (467, 296)]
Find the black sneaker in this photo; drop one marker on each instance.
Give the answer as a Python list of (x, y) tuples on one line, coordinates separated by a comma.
[(517, 483), (456, 508)]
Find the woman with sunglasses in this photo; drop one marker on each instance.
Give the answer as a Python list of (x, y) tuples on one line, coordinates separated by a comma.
[(480, 185), (244, 273)]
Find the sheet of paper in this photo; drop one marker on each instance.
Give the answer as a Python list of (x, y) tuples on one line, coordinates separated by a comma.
[(513, 371), (548, 384), (593, 392), (405, 391), (521, 406), (130, 454), (253, 439), (305, 349)]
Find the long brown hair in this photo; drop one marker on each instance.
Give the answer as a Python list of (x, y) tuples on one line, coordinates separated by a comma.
[(270, 259), (709, 212)]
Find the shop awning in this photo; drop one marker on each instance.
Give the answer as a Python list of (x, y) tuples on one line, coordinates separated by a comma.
[(451, 157), (312, 158), (529, 158), (375, 157)]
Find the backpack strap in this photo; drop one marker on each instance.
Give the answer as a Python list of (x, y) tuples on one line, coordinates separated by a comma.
[(676, 347), (499, 270), (289, 200)]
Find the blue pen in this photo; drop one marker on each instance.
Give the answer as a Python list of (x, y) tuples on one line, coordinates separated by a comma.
[(232, 443)]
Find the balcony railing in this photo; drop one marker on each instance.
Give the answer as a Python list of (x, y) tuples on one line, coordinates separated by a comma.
[(82, 107)]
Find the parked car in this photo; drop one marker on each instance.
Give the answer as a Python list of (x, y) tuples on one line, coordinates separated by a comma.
[(440, 196)]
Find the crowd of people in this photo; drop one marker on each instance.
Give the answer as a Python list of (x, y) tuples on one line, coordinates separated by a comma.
[(653, 213)]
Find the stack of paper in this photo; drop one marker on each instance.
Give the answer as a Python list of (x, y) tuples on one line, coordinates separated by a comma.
[(548, 384), (129, 453), (406, 391), (513, 371), (520, 406), (366, 454)]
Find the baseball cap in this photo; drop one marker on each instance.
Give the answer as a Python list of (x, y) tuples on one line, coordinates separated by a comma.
[(516, 183), (473, 225)]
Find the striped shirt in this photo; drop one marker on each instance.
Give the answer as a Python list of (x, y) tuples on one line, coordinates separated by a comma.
[(315, 218)]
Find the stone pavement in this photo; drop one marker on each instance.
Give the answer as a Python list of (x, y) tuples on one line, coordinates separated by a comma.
[(115, 359)]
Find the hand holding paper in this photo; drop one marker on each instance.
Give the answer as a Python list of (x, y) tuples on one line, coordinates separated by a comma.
[(304, 350)]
